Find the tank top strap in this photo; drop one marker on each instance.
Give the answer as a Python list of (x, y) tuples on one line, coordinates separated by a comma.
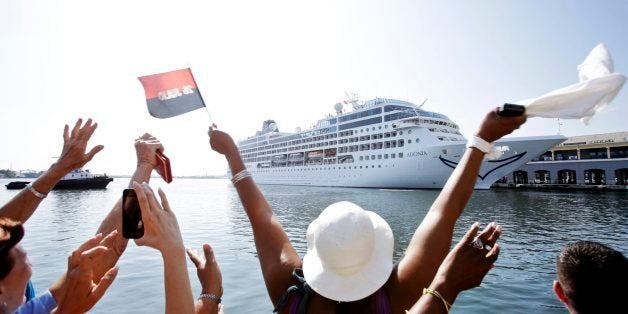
[(302, 294)]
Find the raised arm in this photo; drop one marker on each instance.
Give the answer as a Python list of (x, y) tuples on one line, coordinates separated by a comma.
[(73, 156), (276, 254), (145, 148), (161, 232), (431, 241)]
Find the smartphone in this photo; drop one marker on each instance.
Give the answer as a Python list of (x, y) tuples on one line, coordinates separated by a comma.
[(132, 226), (163, 167), (511, 110)]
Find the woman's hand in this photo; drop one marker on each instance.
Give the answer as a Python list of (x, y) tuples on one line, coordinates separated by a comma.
[(80, 292), (73, 154), (221, 142), (207, 270), (161, 229), (146, 146), (494, 127), (467, 264)]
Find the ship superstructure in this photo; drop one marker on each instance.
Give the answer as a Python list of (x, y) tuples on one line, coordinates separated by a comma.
[(381, 143)]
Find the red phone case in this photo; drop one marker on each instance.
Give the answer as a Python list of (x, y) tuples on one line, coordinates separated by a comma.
[(163, 167)]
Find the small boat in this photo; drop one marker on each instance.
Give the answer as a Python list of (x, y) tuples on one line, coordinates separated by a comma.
[(16, 185), (78, 179)]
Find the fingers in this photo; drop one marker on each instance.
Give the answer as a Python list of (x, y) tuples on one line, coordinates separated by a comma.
[(164, 199), (93, 252), (492, 238), (142, 198), (94, 151), (90, 243), (468, 237), (77, 127), (150, 195), (492, 255), (99, 290), (145, 209), (109, 239), (487, 232), (66, 134), (198, 262)]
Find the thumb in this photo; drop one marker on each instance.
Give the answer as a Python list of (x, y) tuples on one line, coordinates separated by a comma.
[(194, 258), (209, 253), (94, 151)]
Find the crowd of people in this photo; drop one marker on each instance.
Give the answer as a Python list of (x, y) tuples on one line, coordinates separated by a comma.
[(348, 266)]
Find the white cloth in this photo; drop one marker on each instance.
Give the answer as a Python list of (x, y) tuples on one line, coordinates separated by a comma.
[(597, 88)]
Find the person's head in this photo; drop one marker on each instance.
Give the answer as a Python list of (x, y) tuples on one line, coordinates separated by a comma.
[(349, 253), (590, 275), (15, 269)]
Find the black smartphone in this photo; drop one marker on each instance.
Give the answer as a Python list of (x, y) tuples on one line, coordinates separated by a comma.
[(132, 226), (511, 110)]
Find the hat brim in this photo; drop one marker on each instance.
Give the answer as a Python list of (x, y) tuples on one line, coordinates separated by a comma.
[(363, 283)]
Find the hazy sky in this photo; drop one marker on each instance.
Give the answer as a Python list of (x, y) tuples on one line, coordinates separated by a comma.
[(290, 61)]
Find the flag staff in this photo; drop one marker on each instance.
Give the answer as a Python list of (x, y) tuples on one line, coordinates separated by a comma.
[(198, 89)]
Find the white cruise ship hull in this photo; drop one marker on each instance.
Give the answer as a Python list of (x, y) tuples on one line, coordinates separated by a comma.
[(421, 167)]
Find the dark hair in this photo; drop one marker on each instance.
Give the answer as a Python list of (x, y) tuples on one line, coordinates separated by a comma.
[(11, 232), (590, 274)]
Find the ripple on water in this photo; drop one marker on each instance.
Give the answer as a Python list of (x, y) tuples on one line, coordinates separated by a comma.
[(535, 226)]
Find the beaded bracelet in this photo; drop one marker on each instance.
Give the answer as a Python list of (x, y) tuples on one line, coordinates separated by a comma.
[(210, 296)]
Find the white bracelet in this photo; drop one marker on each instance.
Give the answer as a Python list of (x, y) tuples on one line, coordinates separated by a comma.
[(35, 192), (239, 176), (480, 143)]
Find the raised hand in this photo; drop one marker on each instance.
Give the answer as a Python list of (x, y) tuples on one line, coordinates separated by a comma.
[(80, 292), (145, 147), (470, 260), (207, 270), (462, 269), (494, 127), (73, 155), (161, 229), (221, 142)]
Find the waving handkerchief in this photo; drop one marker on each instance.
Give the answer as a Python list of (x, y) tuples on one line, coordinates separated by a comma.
[(597, 88)]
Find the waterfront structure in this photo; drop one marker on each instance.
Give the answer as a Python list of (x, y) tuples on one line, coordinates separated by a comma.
[(600, 159), (380, 143)]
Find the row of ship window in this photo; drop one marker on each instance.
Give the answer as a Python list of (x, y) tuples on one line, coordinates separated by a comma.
[(343, 149), (247, 153), (342, 141), (321, 168), (341, 160)]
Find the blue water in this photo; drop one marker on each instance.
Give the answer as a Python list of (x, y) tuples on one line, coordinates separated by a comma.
[(535, 224)]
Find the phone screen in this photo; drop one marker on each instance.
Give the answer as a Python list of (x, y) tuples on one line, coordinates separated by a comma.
[(132, 227)]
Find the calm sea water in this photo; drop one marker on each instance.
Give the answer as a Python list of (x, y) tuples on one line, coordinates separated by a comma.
[(535, 225)]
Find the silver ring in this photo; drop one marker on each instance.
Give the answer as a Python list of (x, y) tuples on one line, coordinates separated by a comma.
[(477, 243)]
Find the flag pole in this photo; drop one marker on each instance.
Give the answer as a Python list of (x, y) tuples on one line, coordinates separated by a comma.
[(198, 89)]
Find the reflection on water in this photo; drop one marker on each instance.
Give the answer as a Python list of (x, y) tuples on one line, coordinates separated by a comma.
[(536, 225)]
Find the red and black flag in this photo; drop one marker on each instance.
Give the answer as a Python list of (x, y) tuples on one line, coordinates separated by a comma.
[(171, 93)]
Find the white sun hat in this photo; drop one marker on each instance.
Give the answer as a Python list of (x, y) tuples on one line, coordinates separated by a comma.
[(349, 253)]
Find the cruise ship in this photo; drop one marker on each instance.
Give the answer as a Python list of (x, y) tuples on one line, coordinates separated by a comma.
[(380, 143)]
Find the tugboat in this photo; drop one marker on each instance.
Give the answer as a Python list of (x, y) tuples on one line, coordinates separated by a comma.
[(78, 179)]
